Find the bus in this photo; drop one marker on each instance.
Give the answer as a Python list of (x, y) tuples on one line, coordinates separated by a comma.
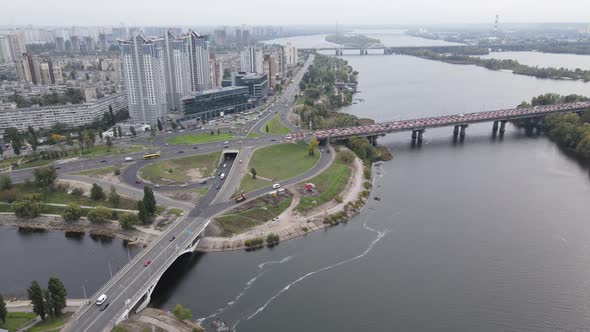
[(153, 155)]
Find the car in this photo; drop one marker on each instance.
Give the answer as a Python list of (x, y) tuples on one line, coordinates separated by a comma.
[(276, 186), (181, 151), (217, 187), (273, 140), (184, 185), (105, 306), (57, 167), (103, 161), (147, 262), (156, 186), (213, 177), (101, 299), (224, 165), (226, 146), (204, 182), (240, 161), (137, 181), (195, 147), (129, 158), (226, 142), (172, 238), (166, 144)]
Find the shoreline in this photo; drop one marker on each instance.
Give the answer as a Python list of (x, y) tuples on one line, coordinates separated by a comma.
[(290, 225)]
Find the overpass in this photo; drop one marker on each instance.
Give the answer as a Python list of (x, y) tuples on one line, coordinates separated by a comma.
[(338, 49), (459, 121)]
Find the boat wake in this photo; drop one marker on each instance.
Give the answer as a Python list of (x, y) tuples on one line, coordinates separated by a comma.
[(380, 235), (249, 284)]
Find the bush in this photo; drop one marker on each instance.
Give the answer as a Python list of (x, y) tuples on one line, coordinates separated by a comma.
[(347, 157), (255, 242), (29, 207), (181, 313), (63, 187), (77, 191), (127, 220), (272, 239), (5, 182), (72, 212), (99, 215), (8, 196), (117, 172), (96, 193), (367, 185), (45, 176), (338, 199)]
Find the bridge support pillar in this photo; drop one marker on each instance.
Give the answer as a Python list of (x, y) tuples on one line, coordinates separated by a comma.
[(495, 127), (462, 132), (420, 135), (372, 140), (456, 131), (503, 126), (414, 135)]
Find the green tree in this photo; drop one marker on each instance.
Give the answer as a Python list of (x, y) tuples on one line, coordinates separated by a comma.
[(266, 128), (114, 198), (253, 171), (32, 140), (15, 139), (313, 145), (109, 142), (160, 127), (5, 182), (72, 212), (57, 294), (133, 131), (48, 304), (69, 140), (115, 134), (127, 220), (97, 193), (28, 207), (149, 201), (36, 296), (120, 131), (3, 311), (181, 313), (142, 213), (99, 215)]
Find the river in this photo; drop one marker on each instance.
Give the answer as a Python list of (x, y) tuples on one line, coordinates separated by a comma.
[(485, 235)]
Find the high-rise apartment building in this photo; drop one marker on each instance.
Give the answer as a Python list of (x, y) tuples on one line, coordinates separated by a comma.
[(102, 42), (270, 69), (290, 55), (5, 50), (199, 61), (215, 71), (60, 44), (89, 42), (75, 43), (17, 45), (144, 77), (251, 60), (28, 69)]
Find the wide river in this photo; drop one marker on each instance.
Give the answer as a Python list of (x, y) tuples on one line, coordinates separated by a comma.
[(490, 234)]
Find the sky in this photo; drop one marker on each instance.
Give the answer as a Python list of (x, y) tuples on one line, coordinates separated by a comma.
[(291, 12)]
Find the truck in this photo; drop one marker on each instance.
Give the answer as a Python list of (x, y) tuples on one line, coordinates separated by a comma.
[(240, 198)]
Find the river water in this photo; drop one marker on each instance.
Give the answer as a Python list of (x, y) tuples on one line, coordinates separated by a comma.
[(486, 234)]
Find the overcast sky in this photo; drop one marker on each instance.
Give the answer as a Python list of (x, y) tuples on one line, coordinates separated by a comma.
[(287, 12)]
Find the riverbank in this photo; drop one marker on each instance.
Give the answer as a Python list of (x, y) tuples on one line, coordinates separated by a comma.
[(292, 224), (151, 319)]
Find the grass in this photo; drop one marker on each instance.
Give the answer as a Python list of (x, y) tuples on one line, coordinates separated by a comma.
[(175, 211), (282, 161), (252, 134), (275, 127), (16, 320), (199, 138), (177, 171), (97, 172), (35, 163), (51, 323), (103, 150), (60, 197), (330, 183), (247, 184), (239, 221)]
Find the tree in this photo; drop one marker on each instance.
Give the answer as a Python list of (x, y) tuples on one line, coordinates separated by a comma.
[(133, 131), (253, 171), (45, 176), (109, 142), (3, 311), (87, 77), (313, 145), (5, 182), (266, 128), (142, 214), (97, 193), (1, 151), (127, 220), (28, 207), (218, 131), (212, 132), (120, 131), (149, 201), (152, 131), (36, 296), (111, 115), (181, 313), (160, 127), (57, 294), (114, 198), (99, 215), (173, 125), (69, 140), (73, 74), (72, 212), (15, 139), (48, 304), (32, 140), (115, 132)]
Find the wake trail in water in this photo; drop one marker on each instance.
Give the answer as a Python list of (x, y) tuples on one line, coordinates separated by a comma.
[(245, 289), (380, 235)]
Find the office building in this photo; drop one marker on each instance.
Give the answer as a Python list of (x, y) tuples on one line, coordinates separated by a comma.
[(257, 83), (214, 103), (251, 60), (144, 77)]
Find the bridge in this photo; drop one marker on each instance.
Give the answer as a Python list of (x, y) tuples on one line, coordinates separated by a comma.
[(460, 122), (338, 50)]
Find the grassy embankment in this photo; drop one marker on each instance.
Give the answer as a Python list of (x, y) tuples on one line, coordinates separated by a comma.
[(199, 138), (16, 320), (51, 324), (178, 171), (329, 184), (277, 162), (275, 127)]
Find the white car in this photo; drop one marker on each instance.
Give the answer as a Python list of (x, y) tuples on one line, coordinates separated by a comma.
[(224, 165), (276, 186), (129, 159), (101, 299)]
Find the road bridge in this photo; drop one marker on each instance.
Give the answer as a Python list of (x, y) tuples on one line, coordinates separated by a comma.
[(460, 122)]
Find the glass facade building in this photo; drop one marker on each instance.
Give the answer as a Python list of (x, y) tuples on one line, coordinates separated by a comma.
[(211, 104)]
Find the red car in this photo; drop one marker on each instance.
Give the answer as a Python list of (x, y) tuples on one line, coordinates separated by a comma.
[(147, 262)]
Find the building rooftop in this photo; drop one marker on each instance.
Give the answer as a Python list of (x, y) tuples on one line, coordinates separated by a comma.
[(211, 91)]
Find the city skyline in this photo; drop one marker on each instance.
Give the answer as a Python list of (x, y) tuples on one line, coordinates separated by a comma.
[(306, 12)]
